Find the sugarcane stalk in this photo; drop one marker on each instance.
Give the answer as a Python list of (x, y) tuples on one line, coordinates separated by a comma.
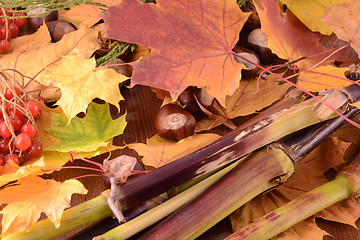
[(218, 154), (154, 215), (229, 193), (345, 185), (97, 209), (72, 218), (266, 167)]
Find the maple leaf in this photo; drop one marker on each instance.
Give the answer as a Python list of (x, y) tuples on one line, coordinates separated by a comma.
[(159, 151), (289, 38), (30, 54), (191, 45), (308, 175), (246, 101), (11, 171), (80, 82), (32, 196), (310, 13), (84, 134), (323, 78), (87, 14), (344, 21)]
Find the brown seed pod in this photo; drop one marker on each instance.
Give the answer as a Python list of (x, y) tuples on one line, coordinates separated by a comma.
[(173, 122), (59, 28), (187, 99), (36, 22), (251, 69), (258, 42)]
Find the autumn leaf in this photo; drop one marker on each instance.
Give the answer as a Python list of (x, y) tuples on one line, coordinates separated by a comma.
[(191, 45), (323, 78), (308, 175), (85, 134), (159, 151), (12, 172), (88, 14), (246, 101), (42, 52), (310, 13), (80, 82), (344, 21), (289, 38), (25, 204)]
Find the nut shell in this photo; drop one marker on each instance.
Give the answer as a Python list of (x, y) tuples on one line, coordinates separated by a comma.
[(173, 122), (187, 99), (59, 28), (36, 22), (251, 69)]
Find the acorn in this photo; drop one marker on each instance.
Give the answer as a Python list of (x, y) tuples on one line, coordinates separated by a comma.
[(251, 69), (59, 28), (173, 122), (258, 42), (36, 22)]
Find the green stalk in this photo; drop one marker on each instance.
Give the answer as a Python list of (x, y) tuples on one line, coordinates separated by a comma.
[(154, 215), (259, 172), (97, 209), (73, 218), (345, 185)]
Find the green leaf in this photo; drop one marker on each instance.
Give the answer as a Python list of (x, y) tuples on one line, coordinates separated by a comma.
[(85, 134)]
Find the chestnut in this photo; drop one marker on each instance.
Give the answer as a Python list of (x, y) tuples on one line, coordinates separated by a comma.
[(36, 22), (251, 69), (59, 28), (187, 99), (173, 122), (258, 42)]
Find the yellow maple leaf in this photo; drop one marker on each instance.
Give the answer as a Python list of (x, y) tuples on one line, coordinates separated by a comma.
[(32, 196), (323, 78), (30, 54), (80, 82), (310, 13), (159, 151)]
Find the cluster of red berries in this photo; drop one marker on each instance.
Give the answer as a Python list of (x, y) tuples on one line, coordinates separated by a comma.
[(9, 28), (17, 129)]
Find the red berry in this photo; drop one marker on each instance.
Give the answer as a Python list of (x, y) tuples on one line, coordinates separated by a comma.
[(35, 149), (9, 93), (22, 141), (13, 110), (33, 108), (12, 157), (3, 21), (5, 33), (4, 130), (4, 145), (2, 161), (19, 21), (5, 12), (40, 99), (29, 129), (14, 29), (15, 122), (4, 46)]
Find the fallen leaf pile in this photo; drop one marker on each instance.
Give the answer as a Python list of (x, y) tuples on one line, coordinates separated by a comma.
[(178, 44)]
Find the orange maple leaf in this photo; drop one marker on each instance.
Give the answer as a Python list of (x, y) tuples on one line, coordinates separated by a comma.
[(289, 38), (25, 205), (191, 43), (88, 14), (344, 21)]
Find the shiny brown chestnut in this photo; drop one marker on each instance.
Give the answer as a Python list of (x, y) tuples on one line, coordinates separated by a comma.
[(59, 28), (258, 42), (36, 22), (173, 122), (187, 99), (251, 69)]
